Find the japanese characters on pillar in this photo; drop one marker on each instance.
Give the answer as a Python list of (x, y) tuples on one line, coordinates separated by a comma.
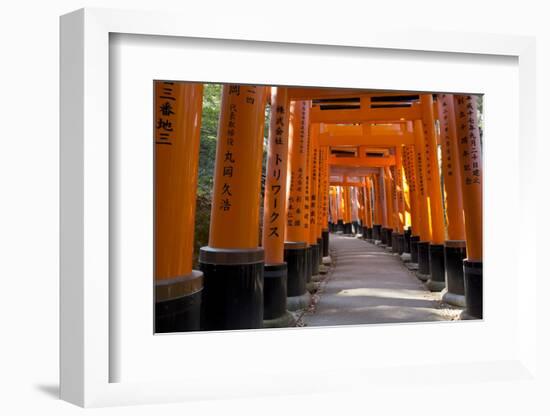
[(320, 192), (378, 215), (306, 183), (361, 203), (177, 134), (432, 170), (347, 204), (276, 174), (399, 188), (395, 210), (353, 202), (298, 206), (450, 168), (384, 197), (424, 217), (324, 187), (238, 161), (166, 96), (313, 180), (389, 197), (469, 145), (408, 159), (368, 201), (332, 205)]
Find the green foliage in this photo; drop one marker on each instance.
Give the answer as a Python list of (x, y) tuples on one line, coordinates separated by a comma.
[(209, 132), (211, 104)]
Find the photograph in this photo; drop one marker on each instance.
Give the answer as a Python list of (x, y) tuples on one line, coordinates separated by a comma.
[(275, 208), (283, 206)]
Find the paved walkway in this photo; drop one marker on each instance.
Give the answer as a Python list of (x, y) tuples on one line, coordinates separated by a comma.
[(368, 284)]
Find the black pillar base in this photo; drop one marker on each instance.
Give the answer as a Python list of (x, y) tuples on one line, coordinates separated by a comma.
[(309, 268), (400, 243), (389, 232), (314, 259), (233, 288), (320, 244), (473, 288), (368, 233), (377, 232), (407, 241), (348, 228), (354, 227), (415, 239), (178, 303), (436, 282), (295, 258), (275, 288), (340, 226), (423, 248), (384, 236), (394, 247), (325, 237), (330, 227), (455, 253)]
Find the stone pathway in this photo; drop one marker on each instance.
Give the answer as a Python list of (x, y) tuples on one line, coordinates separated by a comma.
[(367, 284)]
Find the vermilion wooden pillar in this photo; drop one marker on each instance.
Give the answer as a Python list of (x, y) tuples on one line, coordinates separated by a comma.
[(436, 281), (178, 288), (400, 201), (325, 201), (470, 153), (414, 201), (313, 168), (347, 210), (423, 246), (297, 230), (274, 219), (389, 197), (232, 263), (378, 209), (455, 244), (368, 207)]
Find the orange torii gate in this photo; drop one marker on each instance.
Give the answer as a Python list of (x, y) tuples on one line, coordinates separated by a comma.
[(369, 126), (370, 148), (335, 157), (391, 127)]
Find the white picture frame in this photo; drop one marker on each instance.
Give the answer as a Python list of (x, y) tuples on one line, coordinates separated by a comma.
[(88, 301)]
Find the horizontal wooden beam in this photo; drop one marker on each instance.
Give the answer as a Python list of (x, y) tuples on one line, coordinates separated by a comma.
[(352, 171), (393, 115), (384, 140), (317, 93), (304, 93), (372, 162), (358, 184), (364, 129)]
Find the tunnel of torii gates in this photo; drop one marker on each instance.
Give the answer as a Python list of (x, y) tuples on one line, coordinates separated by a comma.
[(350, 161)]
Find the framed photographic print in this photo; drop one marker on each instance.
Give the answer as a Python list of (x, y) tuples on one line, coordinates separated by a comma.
[(233, 207)]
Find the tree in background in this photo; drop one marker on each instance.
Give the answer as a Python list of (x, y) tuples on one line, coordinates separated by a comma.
[(207, 155)]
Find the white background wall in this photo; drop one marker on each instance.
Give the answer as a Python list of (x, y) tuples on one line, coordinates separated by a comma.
[(29, 184)]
